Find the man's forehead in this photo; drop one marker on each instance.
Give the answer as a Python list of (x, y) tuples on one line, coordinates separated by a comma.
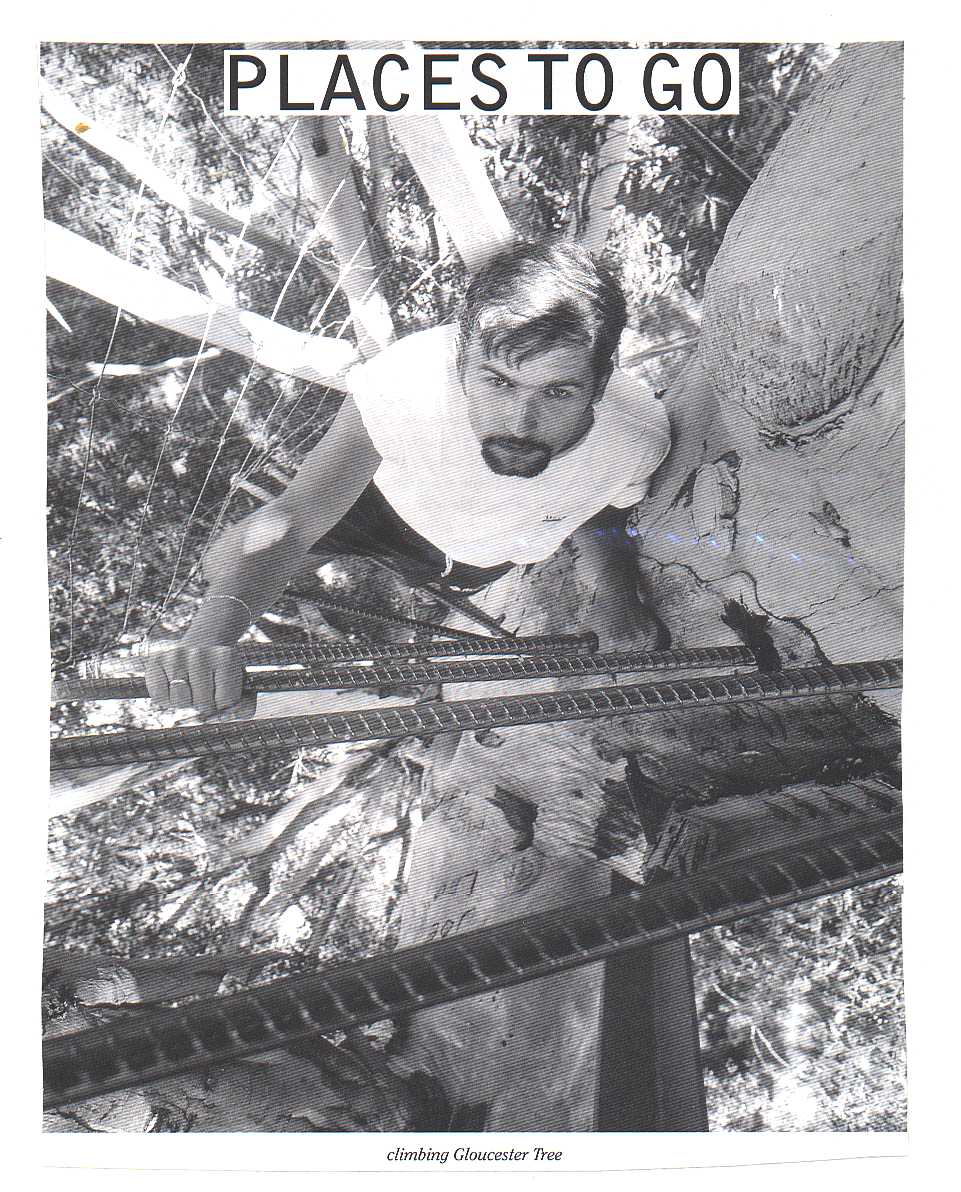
[(558, 360)]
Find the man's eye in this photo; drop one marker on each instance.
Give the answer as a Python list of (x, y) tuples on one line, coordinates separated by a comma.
[(559, 393), (497, 382)]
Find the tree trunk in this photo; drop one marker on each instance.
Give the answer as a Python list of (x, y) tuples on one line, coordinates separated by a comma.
[(776, 521), (786, 490), (609, 170)]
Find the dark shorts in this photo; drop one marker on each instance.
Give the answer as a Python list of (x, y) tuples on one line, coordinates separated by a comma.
[(372, 528)]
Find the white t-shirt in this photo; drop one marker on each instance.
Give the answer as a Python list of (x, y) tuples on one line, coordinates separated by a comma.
[(415, 410)]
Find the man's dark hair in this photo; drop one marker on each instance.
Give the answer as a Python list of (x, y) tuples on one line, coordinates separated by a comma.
[(529, 298)]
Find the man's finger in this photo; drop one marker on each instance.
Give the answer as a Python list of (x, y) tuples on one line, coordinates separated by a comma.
[(180, 693), (228, 679), (201, 675), (158, 686), (171, 663)]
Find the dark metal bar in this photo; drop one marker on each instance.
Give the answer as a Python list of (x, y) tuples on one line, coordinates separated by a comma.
[(358, 612), (416, 575), (460, 604), (387, 674), (324, 653), (293, 732), (321, 652), (649, 1074), (160, 1044)]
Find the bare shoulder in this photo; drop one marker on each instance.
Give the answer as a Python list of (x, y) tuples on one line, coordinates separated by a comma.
[(413, 359)]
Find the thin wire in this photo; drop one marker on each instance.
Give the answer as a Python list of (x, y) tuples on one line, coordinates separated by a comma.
[(392, 310), (342, 274), (60, 170), (311, 235), (216, 127), (172, 590), (271, 445), (282, 442), (338, 285), (345, 270), (246, 469), (277, 190), (212, 307), (179, 75), (171, 593), (274, 440)]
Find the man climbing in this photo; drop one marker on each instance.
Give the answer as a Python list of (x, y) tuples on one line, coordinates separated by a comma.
[(463, 451)]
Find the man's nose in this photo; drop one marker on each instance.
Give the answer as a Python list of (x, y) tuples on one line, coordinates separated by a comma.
[(524, 417)]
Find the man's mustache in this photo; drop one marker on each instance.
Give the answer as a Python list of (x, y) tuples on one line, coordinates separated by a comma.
[(510, 456)]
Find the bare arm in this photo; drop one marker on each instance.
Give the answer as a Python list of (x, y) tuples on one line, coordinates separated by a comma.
[(252, 561)]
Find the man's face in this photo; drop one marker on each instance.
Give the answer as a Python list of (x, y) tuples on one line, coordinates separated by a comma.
[(525, 413)]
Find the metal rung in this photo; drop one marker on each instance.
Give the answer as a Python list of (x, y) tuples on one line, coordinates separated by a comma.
[(106, 1058), (272, 654), (295, 732), (388, 674)]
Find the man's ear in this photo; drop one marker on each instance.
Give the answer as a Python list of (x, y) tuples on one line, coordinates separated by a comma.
[(602, 379)]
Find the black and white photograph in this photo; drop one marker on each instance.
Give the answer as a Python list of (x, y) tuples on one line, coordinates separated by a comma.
[(475, 504)]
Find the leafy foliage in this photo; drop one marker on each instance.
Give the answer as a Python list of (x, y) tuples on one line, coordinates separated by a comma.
[(802, 1015)]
